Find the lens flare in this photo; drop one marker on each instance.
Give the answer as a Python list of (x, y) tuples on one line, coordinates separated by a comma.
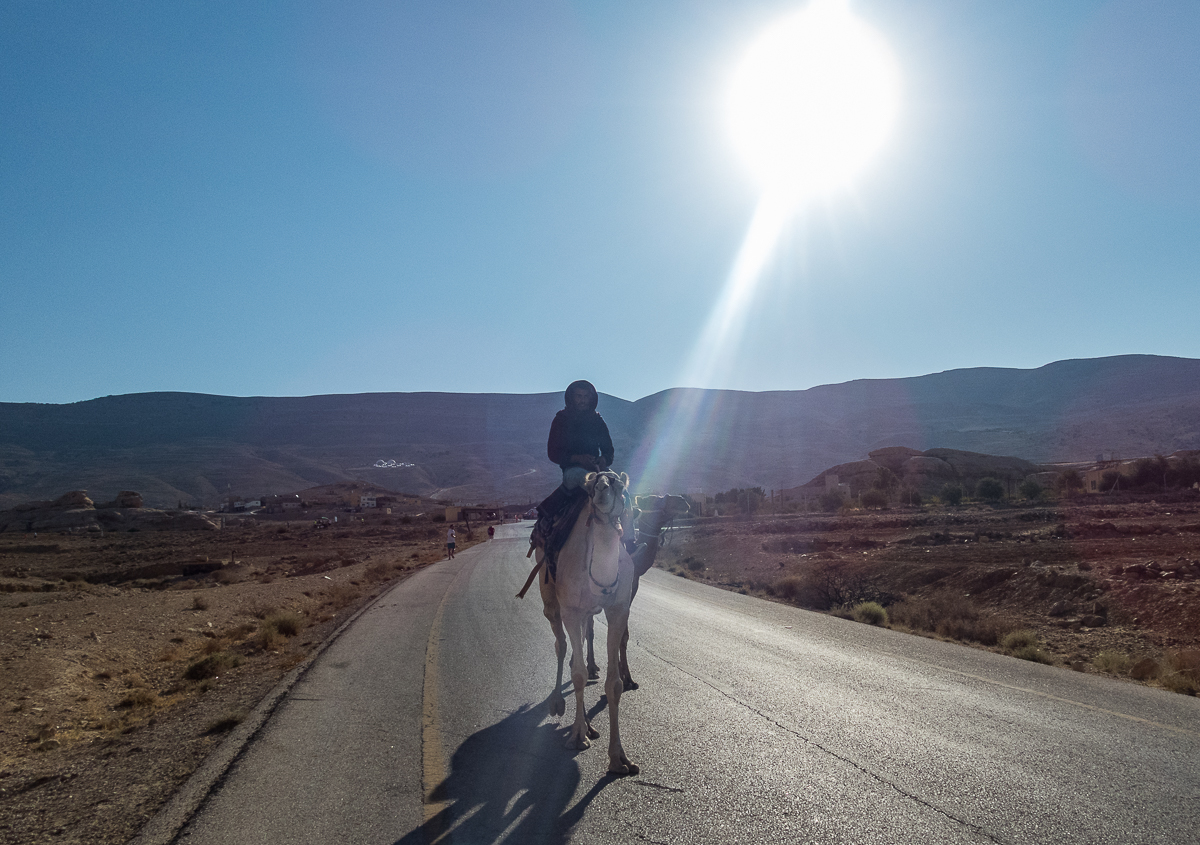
[(808, 107), (813, 101)]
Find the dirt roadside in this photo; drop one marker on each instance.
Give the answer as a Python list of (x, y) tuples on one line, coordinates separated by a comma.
[(1104, 585), (116, 686)]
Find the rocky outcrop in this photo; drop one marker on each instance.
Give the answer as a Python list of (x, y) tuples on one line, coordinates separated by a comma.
[(74, 511), (893, 457), (125, 499), (76, 499), (926, 472)]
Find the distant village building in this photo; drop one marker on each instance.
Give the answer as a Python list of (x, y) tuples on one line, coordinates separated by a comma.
[(366, 501), (1095, 480), (281, 503), (234, 505)]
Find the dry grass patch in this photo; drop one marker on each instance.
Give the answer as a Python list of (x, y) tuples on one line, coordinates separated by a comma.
[(212, 666), (950, 615), (1112, 662), (139, 698), (1180, 672), (239, 632), (277, 627), (287, 622), (1025, 645), (870, 613), (340, 595)]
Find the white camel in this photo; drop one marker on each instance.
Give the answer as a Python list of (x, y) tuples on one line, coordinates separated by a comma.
[(593, 573), (650, 514)]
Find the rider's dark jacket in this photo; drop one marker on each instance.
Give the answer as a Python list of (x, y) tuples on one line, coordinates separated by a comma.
[(579, 432)]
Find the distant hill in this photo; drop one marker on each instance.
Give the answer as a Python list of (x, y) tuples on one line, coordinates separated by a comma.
[(481, 447)]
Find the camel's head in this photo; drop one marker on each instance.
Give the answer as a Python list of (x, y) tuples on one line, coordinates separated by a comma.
[(657, 511), (607, 491)]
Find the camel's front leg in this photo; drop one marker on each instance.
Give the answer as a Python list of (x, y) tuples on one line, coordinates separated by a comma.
[(558, 704), (618, 627), (581, 731)]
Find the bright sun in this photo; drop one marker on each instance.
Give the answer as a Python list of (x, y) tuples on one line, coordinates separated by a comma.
[(812, 101)]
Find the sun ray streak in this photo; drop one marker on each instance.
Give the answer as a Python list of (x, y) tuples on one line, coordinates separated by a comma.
[(711, 357), (687, 418), (809, 105)]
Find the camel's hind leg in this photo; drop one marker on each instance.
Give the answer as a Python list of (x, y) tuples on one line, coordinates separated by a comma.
[(618, 629), (627, 680), (592, 669)]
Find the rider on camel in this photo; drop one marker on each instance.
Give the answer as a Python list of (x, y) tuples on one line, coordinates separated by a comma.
[(579, 443)]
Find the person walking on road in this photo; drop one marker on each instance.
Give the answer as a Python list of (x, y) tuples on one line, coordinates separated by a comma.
[(450, 537)]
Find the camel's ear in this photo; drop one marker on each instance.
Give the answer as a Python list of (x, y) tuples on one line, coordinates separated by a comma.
[(589, 482), (625, 480)]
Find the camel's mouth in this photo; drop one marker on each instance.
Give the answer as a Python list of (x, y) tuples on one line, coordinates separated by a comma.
[(607, 493)]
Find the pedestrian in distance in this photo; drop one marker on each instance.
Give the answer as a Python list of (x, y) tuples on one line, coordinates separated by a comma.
[(450, 537)]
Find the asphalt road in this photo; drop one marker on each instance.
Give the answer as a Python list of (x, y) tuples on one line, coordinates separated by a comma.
[(426, 722)]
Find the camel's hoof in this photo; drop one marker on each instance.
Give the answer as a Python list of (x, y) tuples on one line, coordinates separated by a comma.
[(558, 706), (593, 733), (578, 743), (629, 684), (623, 769), (593, 673)]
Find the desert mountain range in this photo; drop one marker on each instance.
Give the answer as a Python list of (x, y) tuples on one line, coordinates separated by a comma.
[(200, 448)]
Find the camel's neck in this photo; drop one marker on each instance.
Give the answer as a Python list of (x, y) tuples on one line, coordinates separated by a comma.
[(601, 549)]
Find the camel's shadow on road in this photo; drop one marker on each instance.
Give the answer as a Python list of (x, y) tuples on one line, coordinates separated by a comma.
[(512, 779)]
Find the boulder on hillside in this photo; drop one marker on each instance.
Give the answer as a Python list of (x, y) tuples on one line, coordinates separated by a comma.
[(974, 465), (925, 472), (893, 457), (74, 500), (125, 499), (860, 475)]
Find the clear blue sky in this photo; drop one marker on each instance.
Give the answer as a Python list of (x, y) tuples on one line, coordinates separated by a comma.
[(295, 198)]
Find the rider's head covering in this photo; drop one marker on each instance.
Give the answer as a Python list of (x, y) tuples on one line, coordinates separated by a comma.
[(586, 385)]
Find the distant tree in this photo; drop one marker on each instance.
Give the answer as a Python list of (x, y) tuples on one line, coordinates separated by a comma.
[(831, 501), (1030, 489), (1069, 482), (874, 498), (989, 489), (910, 495), (1110, 480), (1186, 472), (951, 494)]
